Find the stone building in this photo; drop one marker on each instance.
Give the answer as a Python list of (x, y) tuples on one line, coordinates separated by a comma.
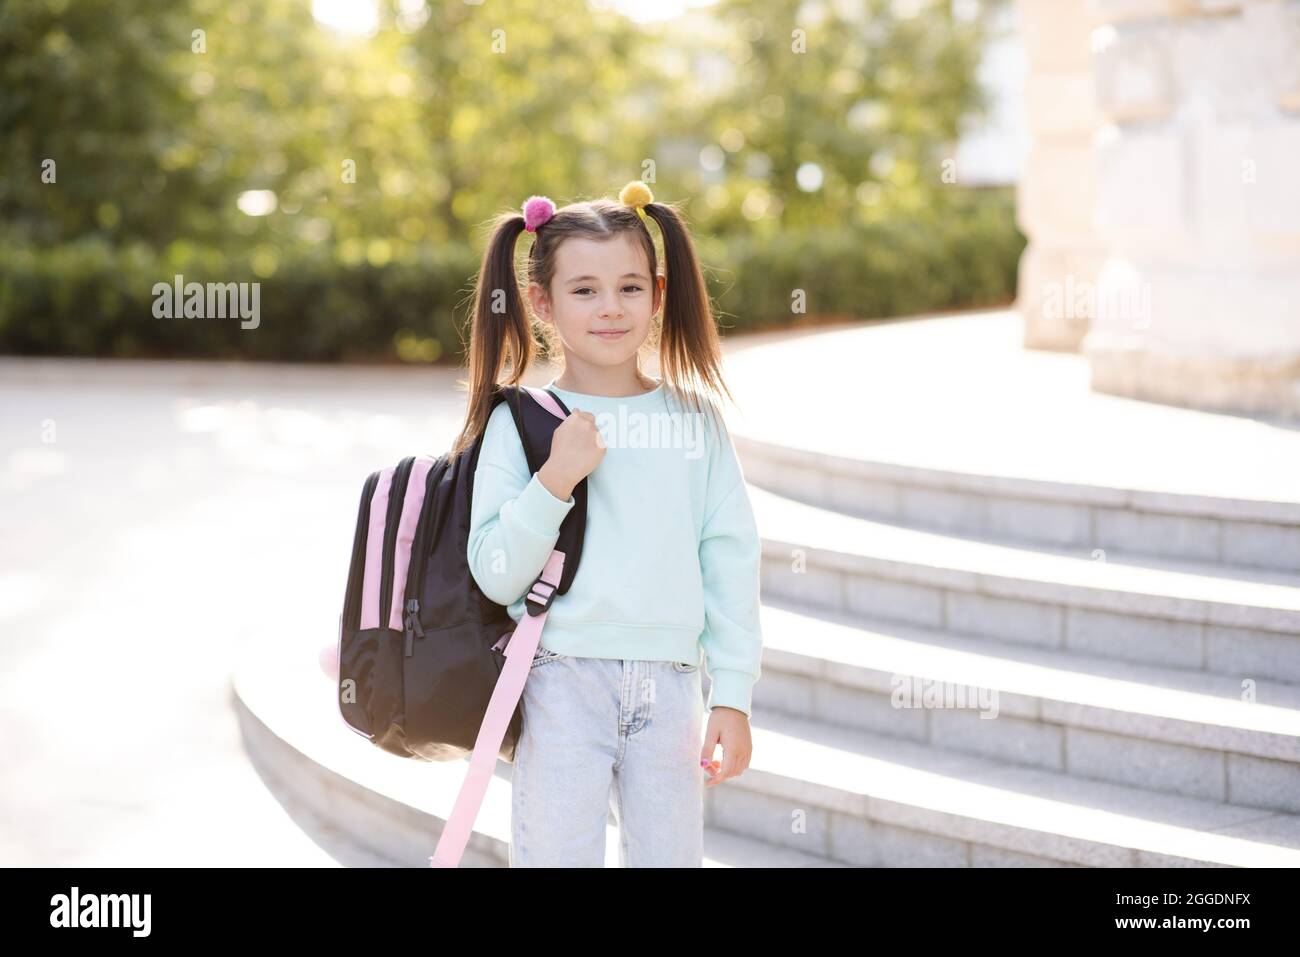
[(1161, 197)]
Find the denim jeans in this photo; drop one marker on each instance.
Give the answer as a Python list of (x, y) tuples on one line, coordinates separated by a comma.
[(602, 735)]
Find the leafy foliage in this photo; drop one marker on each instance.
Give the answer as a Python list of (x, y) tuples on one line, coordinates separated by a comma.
[(807, 137)]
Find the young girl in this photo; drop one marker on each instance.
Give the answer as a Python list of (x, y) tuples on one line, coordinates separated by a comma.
[(613, 709)]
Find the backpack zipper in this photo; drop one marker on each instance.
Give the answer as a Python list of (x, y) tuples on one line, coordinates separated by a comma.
[(415, 573), (396, 496)]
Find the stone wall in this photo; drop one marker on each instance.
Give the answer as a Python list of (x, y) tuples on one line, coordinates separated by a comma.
[(1057, 192), (1192, 194)]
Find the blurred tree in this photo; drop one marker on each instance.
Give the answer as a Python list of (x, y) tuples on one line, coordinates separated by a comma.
[(526, 97), (92, 90), (842, 109)]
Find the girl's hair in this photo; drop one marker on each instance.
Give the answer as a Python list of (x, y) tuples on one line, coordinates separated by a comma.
[(502, 334)]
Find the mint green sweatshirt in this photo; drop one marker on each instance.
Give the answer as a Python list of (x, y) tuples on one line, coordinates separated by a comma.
[(670, 558)]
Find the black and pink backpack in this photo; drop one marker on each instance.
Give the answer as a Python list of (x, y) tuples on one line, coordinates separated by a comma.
[(428, 666)]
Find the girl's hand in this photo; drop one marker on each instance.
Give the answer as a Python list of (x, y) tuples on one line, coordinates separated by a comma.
[(730, 728), (577, 447)]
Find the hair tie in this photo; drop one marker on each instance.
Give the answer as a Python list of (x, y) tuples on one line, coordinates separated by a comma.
[(636, 194), (537, 210)]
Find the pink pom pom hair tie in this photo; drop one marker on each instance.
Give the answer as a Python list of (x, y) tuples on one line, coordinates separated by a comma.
[(537, 210)]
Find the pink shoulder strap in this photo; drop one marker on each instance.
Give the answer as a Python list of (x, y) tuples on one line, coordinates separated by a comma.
[(519, 651)]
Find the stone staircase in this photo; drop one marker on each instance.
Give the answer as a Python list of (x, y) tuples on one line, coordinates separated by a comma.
[(1092, 708)]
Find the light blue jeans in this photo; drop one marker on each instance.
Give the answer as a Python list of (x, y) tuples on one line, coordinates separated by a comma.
[(602, 735)]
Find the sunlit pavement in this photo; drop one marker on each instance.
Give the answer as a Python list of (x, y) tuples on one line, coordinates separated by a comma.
[(156, 517)]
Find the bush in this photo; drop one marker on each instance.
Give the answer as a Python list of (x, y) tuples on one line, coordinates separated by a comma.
[(964, 255)]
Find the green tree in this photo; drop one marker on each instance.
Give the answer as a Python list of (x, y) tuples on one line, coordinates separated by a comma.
[(867, 100)]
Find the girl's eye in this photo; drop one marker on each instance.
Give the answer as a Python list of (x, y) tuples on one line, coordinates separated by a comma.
[(633, 287)]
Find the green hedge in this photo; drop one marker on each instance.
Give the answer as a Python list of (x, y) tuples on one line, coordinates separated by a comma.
[(87, 298), (965, 256), (90, 299)]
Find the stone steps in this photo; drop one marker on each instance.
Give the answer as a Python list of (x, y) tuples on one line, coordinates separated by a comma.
[(1148, 710), (873, 800), (1187, 615), (385, 811), (817, 794), (1165, 729)]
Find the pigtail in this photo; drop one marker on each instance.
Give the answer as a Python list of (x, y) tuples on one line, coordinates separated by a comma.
[(690, 350), (500, 332)]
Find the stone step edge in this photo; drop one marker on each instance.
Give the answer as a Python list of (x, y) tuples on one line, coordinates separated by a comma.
[(832, 466), (989, 802), (776, 557), (1083, 700), (1012, 585)]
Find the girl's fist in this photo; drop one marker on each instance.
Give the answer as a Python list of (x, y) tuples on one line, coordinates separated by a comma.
[(577, 447)]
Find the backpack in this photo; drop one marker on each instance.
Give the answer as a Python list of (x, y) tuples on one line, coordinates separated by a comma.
[(428, 666)]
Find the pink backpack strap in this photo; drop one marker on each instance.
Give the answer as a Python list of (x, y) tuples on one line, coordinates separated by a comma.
[(372, 616), (519, 651), (412, 505), (375, 550)]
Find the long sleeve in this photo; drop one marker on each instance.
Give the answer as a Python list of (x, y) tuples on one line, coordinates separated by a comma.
[(730, 551), (514, 520)]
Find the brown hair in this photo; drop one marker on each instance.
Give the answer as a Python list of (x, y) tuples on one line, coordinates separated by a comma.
[(502, 335)]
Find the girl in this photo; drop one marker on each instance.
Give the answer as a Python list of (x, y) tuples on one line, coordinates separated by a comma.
[(612, 709)]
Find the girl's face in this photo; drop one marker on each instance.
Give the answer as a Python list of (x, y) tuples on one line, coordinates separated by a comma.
[(600, 286)]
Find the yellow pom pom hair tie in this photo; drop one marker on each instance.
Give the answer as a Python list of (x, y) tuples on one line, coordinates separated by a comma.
[(636, 194)]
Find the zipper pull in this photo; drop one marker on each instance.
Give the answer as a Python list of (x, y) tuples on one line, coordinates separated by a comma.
[(413, 617), (412, 624)]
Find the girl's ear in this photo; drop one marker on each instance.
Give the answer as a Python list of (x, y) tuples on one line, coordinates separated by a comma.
[(660, 283), (537, 298)]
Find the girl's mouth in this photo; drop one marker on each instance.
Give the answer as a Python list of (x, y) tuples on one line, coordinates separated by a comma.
[(612, 334)]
